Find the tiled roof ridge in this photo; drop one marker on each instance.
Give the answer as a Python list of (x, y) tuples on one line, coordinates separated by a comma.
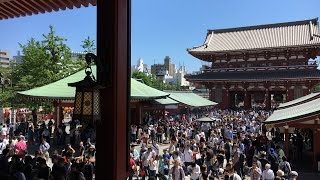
[(264, 26)]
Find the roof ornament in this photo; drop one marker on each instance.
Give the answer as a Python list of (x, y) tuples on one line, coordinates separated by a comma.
[(311, 30), (208, 43)]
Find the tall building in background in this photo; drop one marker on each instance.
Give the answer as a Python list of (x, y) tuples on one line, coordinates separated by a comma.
[(4, 58), (140, 67), (171, 68), (161, 69), (18, 58)]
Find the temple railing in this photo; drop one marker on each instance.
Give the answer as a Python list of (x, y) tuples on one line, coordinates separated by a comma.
[(267, 68)]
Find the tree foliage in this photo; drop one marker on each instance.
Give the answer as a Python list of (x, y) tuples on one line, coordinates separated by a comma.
[(44, 61), (88, 45), (152, 81)]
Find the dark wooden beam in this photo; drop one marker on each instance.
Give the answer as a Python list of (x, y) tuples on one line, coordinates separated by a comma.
[(27, 6), (77, 3), (16, 8), (23, 7), (113, 49), (3, 15), (44, 5), (85, 3), (4, 9), (54, 6), (68, 4), (33, 4)]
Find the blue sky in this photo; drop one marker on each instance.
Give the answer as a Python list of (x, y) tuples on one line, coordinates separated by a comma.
[(162, 27)]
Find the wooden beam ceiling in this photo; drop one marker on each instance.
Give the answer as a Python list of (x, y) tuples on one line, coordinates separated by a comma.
[(17, 8)]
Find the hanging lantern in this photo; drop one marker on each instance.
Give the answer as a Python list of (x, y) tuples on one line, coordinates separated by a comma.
[(87, 97)]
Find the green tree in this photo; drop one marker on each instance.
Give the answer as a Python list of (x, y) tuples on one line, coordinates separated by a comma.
[(88, 45), (148, 80), (44, 61), (152, 81)]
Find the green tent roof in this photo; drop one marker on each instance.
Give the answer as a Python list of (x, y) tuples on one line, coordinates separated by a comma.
[(190, 99), (60, 90)]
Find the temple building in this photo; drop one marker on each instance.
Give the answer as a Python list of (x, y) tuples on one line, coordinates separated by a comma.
[(264, 64)]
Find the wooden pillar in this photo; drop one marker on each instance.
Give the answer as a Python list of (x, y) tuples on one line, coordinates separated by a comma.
[(316, 146), (55, 114), (164, 112), (247, 100), (113, 49), (289, 95), (286, 141), (232, 99), (268, 100), (225, 99), (139, 112), (212, 94)]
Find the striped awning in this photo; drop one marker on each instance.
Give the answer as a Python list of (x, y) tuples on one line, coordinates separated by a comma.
[(18, 8)]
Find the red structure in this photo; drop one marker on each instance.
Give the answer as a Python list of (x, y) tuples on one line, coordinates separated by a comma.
[(261, 64)]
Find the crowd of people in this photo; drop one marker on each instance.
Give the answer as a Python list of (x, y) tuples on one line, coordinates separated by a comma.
[(235, 145), (30, 151)]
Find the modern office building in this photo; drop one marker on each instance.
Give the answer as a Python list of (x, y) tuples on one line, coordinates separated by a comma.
[(4, 58)]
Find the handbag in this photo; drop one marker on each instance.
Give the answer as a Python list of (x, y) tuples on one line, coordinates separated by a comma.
[(142, 172)]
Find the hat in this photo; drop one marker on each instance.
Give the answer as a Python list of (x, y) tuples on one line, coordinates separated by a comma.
[(280, 173), (92, 147), (267, 166), (263, 153), (294, 173)]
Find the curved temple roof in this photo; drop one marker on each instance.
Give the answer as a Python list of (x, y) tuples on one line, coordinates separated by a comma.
[(280, 35)]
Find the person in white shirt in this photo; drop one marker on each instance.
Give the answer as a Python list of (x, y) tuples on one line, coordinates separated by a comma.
[(194, 170), (155, 147), (4, 131), (255, 172), (2, 146), (187, 153), (267, 174), (230, 174), (44, 149), (176, 172), (6, 140), (153, 166)]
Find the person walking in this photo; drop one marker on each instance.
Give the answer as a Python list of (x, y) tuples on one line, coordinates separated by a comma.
[(176, 172)]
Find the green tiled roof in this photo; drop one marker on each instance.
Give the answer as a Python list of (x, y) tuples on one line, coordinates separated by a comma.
[(142, 91), (190, 99), (60, 90), (299, 100), (293, 112), (166, 101)]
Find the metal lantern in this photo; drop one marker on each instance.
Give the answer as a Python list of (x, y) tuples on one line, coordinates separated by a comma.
[(87, 97)]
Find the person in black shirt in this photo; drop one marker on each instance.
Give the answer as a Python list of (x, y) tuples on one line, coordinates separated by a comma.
[(88, 169), (44, 170)]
